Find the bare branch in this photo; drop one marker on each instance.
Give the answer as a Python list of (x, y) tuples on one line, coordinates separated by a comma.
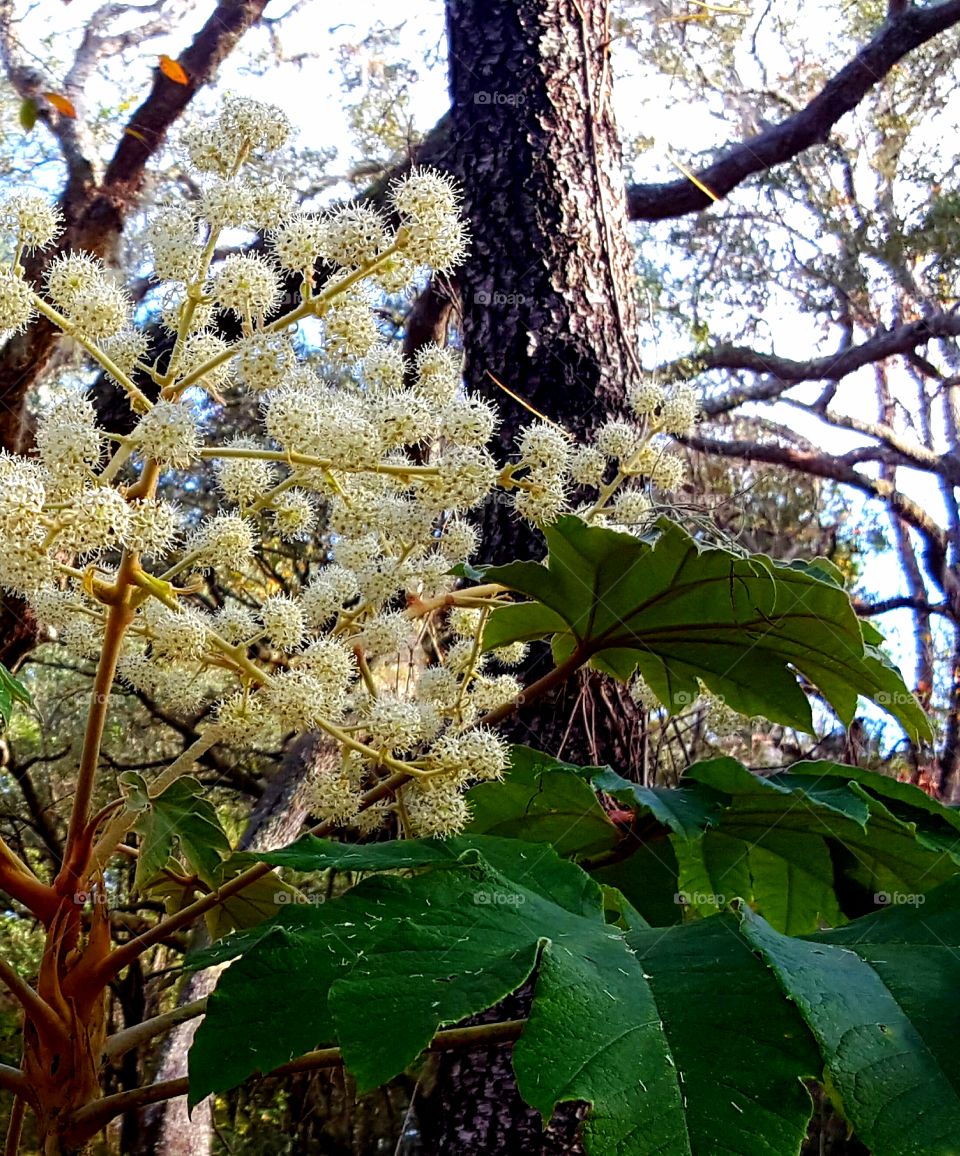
[(132, 1037), (90, 1119), (784, 372), (900, 35)]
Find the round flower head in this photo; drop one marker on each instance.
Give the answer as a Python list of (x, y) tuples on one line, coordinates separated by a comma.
[(265, 362), (16, 304), (384, 634), (293, 515), (178, 637), (384, 368), (172, 239), (240, 720), (246, 285), (283, 621), (127, 349), (68, 438), (99, 519), (438, 373), (465, 476), (351, 329), (630, 508), (393, 724), (587, 466), (678, 414), (243, 480), (477, 754), (436, 809), (468, 421), (297, 242), (354, 236), (78, 284), (152, 527), (225, 541), (425, 192), (228, 204), (618, 439), (545, 445), (31, 220), (645, 398), (235, 623), (669, 473), (460, 540), (260, 127), (328, 593), (168, 434), (22, 496), (273, 203)]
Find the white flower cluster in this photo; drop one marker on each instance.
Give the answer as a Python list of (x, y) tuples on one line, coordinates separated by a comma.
[(395, 454)]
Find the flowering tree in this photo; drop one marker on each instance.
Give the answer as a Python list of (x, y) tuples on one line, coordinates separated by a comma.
[(482, 863)]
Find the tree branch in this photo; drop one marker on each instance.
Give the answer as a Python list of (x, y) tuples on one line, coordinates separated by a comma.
[(95, 213), (92, 1118), (784, 372), (896, 38)]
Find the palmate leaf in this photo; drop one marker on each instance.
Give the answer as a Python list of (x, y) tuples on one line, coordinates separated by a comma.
[(677, 612), (774, 840), (691, 1040), (880, 999), (381, 969), (180, 815)]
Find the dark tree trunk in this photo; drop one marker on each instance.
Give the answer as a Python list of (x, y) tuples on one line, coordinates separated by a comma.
[(548, 310)]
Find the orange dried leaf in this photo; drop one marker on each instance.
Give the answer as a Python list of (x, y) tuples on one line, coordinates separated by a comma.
[(172, 70), (61, 104)]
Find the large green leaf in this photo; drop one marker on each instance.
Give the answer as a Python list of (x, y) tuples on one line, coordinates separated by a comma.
[(458, 934), (780, 840), (687, 1040), (743, 1091), (680, 612), (880, 998), (543, 800)]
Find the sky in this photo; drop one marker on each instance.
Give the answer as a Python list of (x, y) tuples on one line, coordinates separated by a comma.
[(311, 95)]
